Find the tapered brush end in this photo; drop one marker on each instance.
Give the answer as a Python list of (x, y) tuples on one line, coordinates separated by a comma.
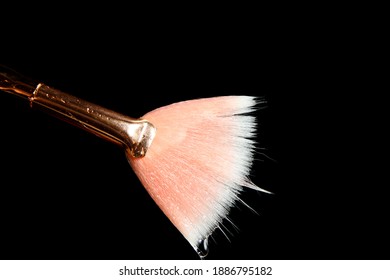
[(199, 162)]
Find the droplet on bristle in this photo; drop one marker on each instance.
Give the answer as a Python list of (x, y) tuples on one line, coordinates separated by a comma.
[(202, 248)]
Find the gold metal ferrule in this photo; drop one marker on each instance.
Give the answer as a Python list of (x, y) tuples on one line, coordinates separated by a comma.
[(135, 135)]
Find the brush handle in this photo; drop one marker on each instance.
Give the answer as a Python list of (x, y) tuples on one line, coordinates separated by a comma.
[(135, 135), (14, 83)]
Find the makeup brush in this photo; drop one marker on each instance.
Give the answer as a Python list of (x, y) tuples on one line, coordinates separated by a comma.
[(193, 157)]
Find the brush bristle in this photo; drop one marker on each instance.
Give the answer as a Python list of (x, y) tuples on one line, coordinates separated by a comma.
[(199, 161)]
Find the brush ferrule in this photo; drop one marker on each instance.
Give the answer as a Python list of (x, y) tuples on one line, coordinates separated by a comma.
[(135, 135)]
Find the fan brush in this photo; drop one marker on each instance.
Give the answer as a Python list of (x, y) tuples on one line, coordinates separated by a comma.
[(193, 157)]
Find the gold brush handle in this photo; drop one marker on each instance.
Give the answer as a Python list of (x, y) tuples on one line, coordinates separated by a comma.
[(135, 135), (14, 83)]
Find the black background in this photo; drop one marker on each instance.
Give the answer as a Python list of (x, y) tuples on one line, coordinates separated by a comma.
[(66, 194)]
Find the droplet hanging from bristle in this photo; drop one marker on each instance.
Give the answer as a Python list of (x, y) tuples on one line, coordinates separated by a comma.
[(202, 248)]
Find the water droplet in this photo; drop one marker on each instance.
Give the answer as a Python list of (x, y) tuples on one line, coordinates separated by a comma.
[(202, 248)]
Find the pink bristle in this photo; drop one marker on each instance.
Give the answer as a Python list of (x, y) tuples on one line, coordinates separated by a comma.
[(199, 161)]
